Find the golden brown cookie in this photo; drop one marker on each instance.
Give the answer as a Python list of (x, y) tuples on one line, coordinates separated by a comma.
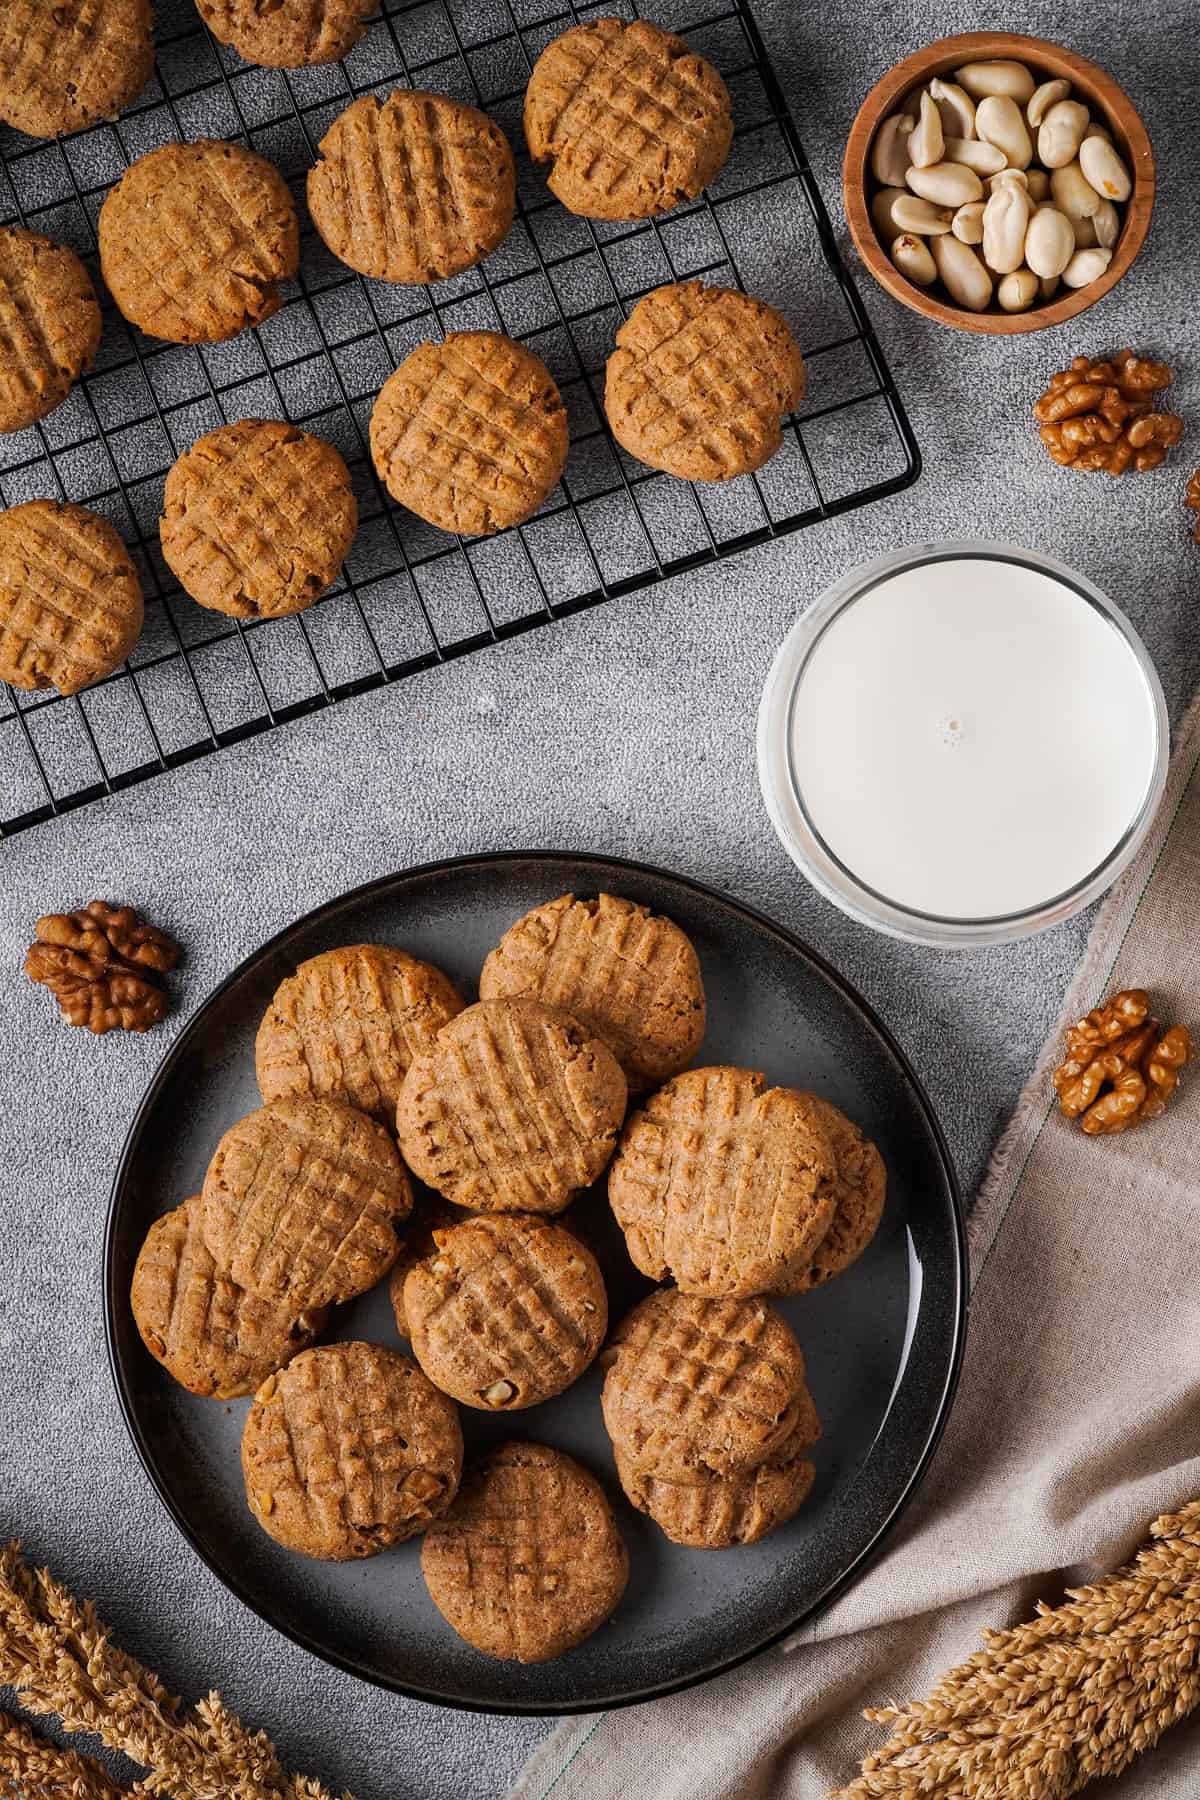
[(70, 599), (528, 1561), (628, 974), (413, 188), (470, 434), (516, 1108), (49, 325), (349, 1450), (701, 380), (258, 518), (633, 121), (347, 1024), (859, 1190), (65, 66), (195, 239), (287, 34), (207, 1332), (702, 1387), (506, 1311), (724, 1183), (302, 1200)]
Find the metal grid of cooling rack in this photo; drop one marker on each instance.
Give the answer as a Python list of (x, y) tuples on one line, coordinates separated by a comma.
[(411, 596)]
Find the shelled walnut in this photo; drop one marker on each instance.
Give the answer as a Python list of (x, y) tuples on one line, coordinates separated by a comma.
[(1102, 415), (1121, 1067), (1192, 500), (104, 966)]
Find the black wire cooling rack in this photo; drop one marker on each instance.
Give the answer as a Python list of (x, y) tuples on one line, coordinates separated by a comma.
[(410, 596)]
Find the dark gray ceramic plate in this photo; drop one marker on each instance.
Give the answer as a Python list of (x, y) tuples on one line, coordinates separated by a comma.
[(882, 1343)]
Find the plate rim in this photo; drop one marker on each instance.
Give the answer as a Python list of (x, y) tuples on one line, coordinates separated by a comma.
[(477, 860)]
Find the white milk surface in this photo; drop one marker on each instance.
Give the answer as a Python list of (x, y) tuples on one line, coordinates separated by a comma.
[(971, 738)]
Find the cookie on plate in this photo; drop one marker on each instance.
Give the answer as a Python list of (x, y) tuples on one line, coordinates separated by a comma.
[(859, 1188), (506, 1311), (70, 599), (287, 34), (632, 120), (628, 974), (195, 239), (49, 325), (528, 1561), (258, 518), (516, 1108), (724, 1183), (206, 1331), (347, 1024), (65, 67), (349, 1450), (412, 188), (470, 434), (701, 380), (702, 1387), (302, 1201), (430, 1213)]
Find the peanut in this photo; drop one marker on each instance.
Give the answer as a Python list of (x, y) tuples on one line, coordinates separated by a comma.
[(1005, 222), (1049, 242), (1044, 98), (968, 223), (962, 273), (946, 184), (1061, 134), (1086, 266), (925, 144), (998, 119), (956, 107), (921, 216), (983, 80), (889, 152), (985, 159), (911, 256), (1017, 290), (1103, 168)]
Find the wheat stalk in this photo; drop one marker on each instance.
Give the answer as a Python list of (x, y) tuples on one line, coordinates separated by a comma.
[(33, 1768), (1074, 1695)]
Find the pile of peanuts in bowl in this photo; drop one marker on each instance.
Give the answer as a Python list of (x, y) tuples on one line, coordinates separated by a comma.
[(999, 186)]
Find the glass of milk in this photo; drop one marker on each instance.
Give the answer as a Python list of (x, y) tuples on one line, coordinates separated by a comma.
[(962, 743)]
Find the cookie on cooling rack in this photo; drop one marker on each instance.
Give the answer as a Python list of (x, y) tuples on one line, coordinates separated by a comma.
[(63, 67), (195, 239), (632, 121), (49, 325), (471, 433), (859, 1189), (70, 599), (701, 380), (258, 518), (288, 34), (206, 1331), (528, 1561), (349, 1450), (516, 1108), (302, 1200), (412, 188)]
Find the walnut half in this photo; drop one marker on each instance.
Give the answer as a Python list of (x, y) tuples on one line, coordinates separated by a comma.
[(1120, 1066), (1103, 416), (104, 966)]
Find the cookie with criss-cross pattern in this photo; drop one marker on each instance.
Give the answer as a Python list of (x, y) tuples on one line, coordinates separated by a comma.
[(631, 119), (516, 1108), (65, 67), (287, 34), (195, 240), (258, 518), (528, 1561), (49, 325), (70, 599), (349, 1450), (859, 1188), (701, 380), (470, 434), (412, 188)]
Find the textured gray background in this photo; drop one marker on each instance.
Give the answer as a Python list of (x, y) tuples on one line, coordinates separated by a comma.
[(627, 730)]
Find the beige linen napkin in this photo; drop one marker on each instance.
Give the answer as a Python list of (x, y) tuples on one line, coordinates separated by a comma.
[(1077, 1419)]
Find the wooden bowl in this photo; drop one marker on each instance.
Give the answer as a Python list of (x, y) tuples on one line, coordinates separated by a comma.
[(1107, 103)]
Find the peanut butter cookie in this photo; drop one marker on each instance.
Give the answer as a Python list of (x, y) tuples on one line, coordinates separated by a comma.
[(413, 188), (430, 1213), (632, 120), (347, 1024), (506, 1311), (470, 434), (70, 599), (348, 1451), (859, 1188), (65, 67), (528, 1561), (724, 1183), (205, 1330), (287, 34), (701, 380), (258, 519), (49, 325), (195, 239), (301, 1202), (626, 973), (516, 1108)]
